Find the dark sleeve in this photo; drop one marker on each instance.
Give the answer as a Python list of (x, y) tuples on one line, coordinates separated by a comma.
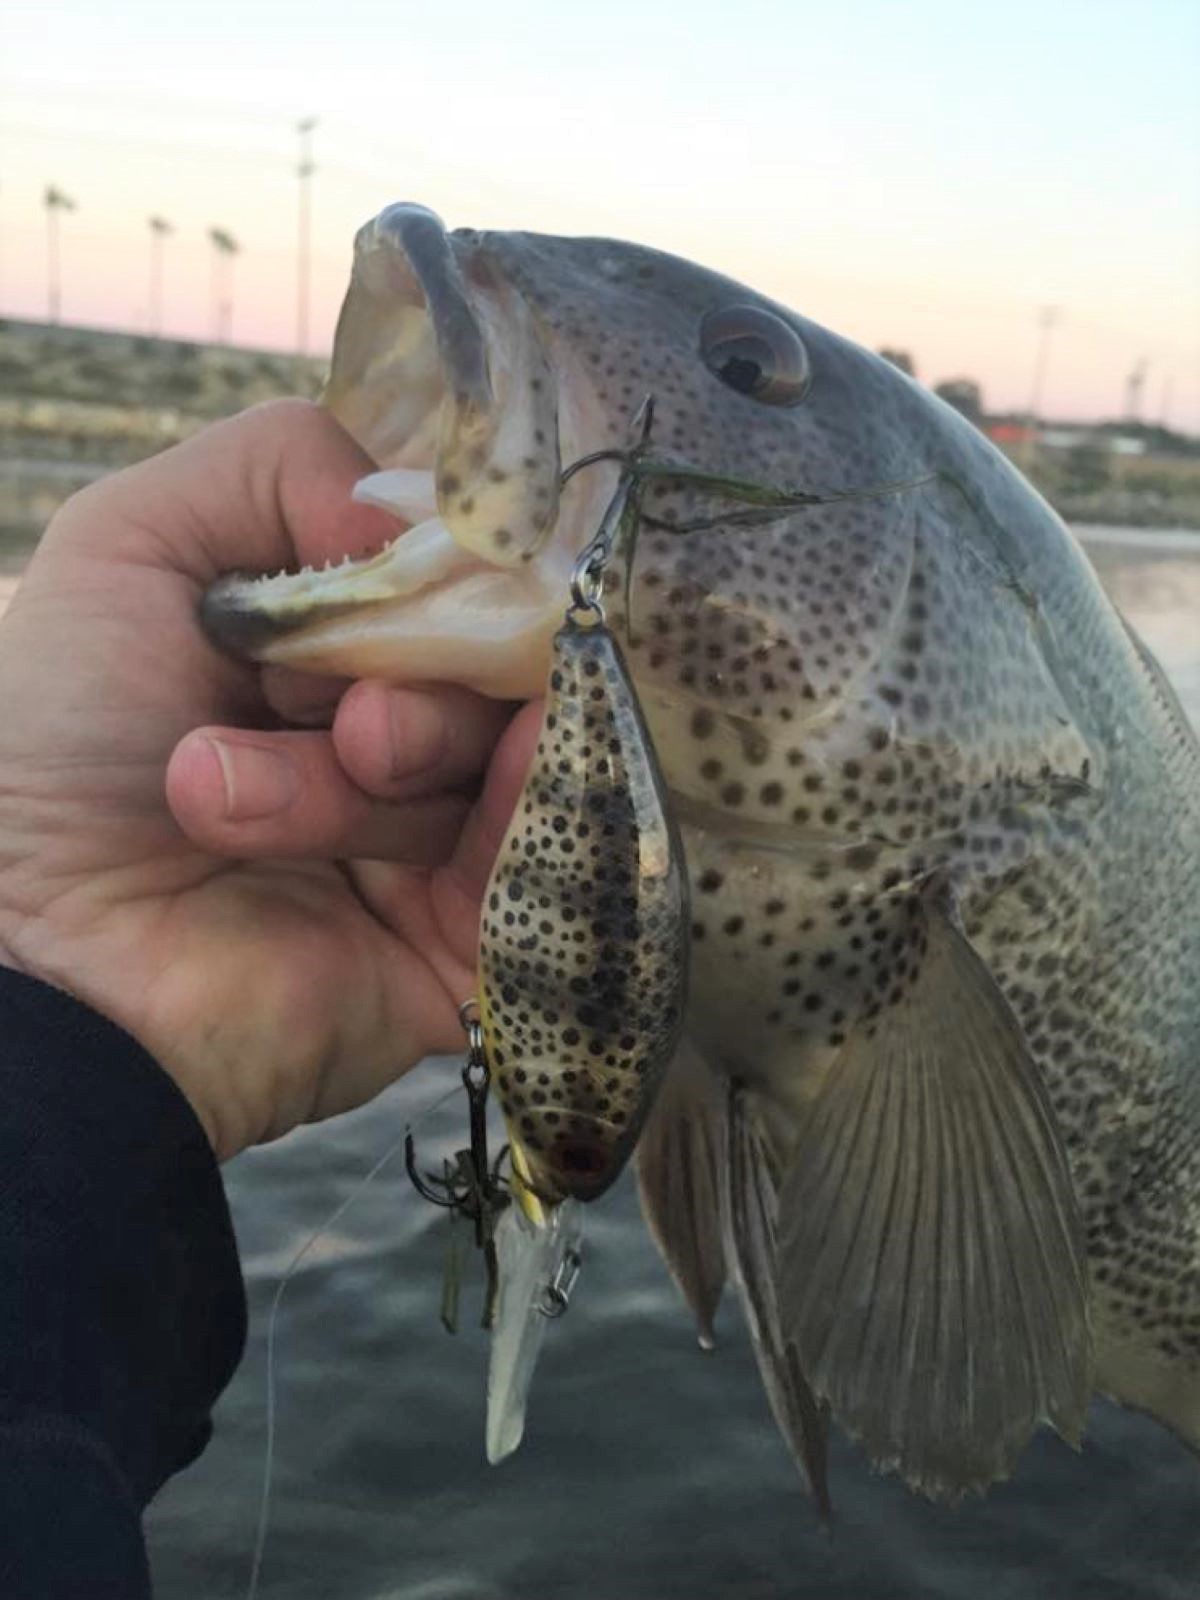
[(122, 1313)]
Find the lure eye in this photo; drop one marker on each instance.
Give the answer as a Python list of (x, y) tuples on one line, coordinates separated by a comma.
[(756, 353)]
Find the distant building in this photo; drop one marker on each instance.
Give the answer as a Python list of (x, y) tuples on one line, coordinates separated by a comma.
[(1008, 432), (1068, 438), (1116, 444), (1004, 432)]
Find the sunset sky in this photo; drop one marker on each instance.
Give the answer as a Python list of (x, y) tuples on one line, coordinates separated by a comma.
[(925, 174)]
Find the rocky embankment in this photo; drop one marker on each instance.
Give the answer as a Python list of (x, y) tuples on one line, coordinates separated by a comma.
[(1150, 491), (78, 402)]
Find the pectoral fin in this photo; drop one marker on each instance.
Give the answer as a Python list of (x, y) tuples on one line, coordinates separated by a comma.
[(932, 1269), (678, 1163)]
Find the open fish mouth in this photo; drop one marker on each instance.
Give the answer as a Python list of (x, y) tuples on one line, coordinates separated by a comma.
[(443, 374)]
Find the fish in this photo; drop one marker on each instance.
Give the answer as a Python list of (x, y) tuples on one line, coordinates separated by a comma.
[(935, 1107)]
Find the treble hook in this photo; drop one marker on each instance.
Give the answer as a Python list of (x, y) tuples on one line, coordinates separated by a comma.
[(476, 1081), (419, 1183), (472, 1185)]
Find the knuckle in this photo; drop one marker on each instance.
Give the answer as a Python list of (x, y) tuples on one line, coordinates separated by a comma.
[(287, 414)]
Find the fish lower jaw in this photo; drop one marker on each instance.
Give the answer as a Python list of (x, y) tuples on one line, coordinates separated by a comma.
[(421, 609)]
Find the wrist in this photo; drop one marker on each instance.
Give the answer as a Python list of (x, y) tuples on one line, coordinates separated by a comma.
[(69, 976)]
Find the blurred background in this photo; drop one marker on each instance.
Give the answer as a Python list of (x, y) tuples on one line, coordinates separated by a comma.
[(1006, 200)]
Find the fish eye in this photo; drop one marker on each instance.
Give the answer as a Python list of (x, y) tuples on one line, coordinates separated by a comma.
[(756, 353)]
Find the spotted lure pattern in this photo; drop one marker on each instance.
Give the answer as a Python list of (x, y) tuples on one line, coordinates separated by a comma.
[(584, 944)]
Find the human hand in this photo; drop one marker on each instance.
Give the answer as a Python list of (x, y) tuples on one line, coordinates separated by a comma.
[(290, 921)]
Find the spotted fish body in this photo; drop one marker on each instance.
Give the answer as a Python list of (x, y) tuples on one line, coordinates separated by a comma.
[(585, 931), (936, 1107)]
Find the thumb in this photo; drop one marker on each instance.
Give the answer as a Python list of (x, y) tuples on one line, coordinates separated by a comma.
[(267, 489)]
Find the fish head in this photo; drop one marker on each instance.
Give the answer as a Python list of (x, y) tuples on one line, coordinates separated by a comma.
[(472, 366), (824, 609)]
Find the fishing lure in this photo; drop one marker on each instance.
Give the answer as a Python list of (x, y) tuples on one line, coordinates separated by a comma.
[(585, 934), (583, 977)]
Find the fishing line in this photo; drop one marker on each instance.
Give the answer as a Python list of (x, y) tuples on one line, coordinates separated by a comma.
[(339, 1211), (763, 503)]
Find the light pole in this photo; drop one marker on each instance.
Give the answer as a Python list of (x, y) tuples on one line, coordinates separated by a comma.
[(304, 171), (225, 247), (1164, 404), (55, 201), (160, 229), (1134, 384), (1047, 318)]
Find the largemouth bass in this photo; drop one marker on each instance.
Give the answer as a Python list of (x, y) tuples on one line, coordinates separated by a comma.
[(937, 1105)]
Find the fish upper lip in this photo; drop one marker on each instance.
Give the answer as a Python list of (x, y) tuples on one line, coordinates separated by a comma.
[(394, 376), (487, 403), (416, 235)]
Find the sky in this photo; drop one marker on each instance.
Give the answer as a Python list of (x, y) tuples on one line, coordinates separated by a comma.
[(927, 174)]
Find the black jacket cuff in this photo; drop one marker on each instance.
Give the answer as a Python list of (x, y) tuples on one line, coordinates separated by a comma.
[(122, 1310)]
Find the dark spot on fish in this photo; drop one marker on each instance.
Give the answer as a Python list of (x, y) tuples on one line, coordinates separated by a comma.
[(756, 747)]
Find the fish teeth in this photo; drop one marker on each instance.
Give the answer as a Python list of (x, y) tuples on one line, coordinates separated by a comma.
[(404, 492)]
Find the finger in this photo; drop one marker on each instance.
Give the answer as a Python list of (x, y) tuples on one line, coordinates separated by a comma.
[(450, 915), (458, 890), (242, 794), (307, 698), (261, 491), (396, 743)]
